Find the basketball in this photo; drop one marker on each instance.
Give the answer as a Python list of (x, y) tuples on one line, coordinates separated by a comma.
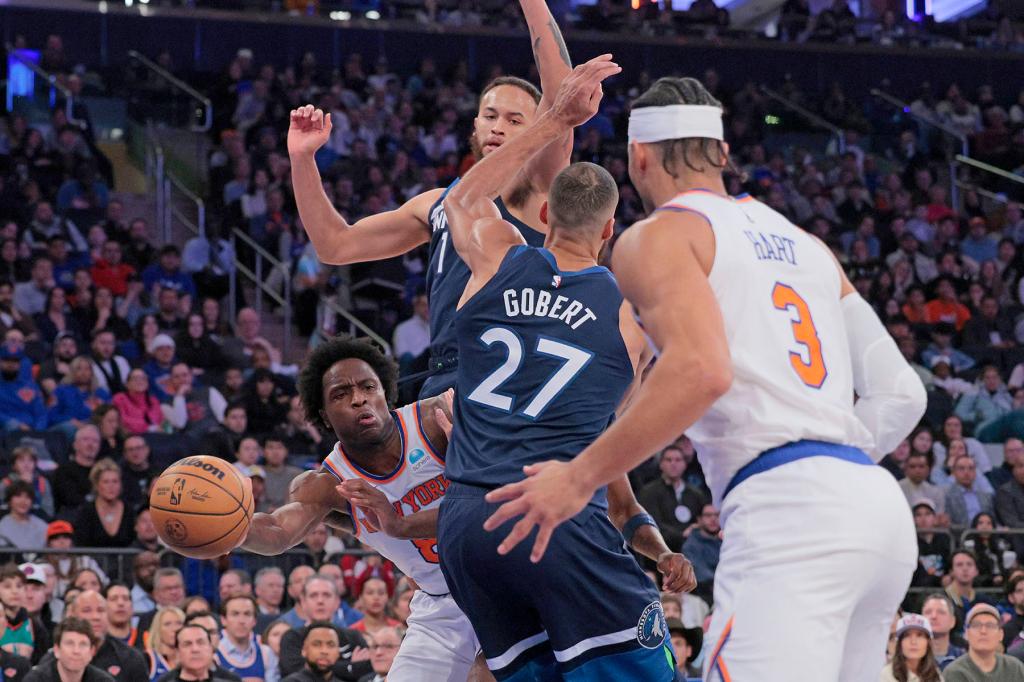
[(201, 507)]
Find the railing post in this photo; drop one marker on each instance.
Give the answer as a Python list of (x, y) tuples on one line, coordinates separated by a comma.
[(259, 283), (168, 211), (232, 283)]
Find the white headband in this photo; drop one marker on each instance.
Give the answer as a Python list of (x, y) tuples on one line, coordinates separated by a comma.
[(676, 121)]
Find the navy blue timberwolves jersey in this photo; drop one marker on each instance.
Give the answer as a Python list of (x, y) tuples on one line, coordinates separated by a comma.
[(542, 367), (448, 274)]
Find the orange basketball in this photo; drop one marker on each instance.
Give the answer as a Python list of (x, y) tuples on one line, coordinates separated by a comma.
[(201, 507)]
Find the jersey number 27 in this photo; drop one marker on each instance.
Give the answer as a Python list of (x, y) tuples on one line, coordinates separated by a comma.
[(487, 392), (811, 371)]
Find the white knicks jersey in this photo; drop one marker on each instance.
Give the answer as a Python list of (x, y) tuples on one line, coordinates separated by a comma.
[(778, 290), (417, 483)]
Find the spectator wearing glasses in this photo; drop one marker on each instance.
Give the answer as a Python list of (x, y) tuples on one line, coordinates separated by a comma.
[(983, 662), (383, 645)]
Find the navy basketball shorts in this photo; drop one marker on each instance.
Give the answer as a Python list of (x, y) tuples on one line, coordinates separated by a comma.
[(586, 611)]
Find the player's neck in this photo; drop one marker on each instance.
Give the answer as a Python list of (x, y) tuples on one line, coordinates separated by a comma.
[(377, 458), (668, 189), (571, 255)]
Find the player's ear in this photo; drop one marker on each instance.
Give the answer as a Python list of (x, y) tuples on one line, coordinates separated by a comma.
[(609, 229), (544, 212), (639, 154)]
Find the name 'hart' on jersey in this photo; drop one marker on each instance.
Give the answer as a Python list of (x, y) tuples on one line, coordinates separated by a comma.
[(542, 368)]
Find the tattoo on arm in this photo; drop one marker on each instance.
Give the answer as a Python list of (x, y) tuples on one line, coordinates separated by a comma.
[(563, 51)]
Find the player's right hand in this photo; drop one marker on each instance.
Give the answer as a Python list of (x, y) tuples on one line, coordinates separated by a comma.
[(374, 505), (309, 130), (677, 573), (580, 93)]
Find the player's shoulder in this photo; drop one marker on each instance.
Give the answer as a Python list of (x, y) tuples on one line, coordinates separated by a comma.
[(665, 234)]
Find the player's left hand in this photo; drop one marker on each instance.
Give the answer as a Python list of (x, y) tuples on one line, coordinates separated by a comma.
[(677, 572), (550, 494)]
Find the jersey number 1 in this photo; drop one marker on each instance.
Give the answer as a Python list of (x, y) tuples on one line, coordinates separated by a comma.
[(812, 370)]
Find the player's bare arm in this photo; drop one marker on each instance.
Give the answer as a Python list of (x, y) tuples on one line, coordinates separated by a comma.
[(312, 498), (661, 265), (553, 62), (647, 540), (337, 242), (478, 233)]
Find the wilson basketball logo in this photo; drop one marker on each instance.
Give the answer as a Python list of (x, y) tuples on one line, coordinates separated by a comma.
[(200, 464)]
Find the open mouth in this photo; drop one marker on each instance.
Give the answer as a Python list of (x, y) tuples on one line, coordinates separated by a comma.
[(367, 419)]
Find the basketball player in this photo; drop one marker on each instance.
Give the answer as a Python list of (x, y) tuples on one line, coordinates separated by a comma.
[(347, 386), (508, 106), (548, 349), (763, 342)]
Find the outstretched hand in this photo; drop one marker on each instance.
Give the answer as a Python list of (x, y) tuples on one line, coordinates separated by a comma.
[(310, 128), (580, 93), (550, 494)]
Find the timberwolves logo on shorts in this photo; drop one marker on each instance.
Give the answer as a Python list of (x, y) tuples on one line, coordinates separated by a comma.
[(651, 629)]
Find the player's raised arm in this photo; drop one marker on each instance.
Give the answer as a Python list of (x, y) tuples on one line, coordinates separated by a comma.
[(554, 66), (337, 242), (661, 265), (309, 503), (477, 230)]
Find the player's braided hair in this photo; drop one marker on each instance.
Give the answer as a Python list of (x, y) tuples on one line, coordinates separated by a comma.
[(311, 378), (667, 92)]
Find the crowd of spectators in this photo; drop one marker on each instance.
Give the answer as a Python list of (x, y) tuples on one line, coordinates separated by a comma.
[(116, 357)]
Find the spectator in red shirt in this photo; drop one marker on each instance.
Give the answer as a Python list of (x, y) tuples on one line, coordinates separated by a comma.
[(945, 307), (110, 272)]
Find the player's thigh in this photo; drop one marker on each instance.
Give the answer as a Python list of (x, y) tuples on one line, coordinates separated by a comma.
[(440, 644), (486, 586), (601, 611)]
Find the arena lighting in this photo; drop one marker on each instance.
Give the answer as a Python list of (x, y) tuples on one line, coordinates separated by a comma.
[(128, 3), (772, 120), (340, 16), (373, 15)]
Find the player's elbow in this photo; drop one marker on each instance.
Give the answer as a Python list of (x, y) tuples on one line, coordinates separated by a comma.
[(914, 398), (715, 379)]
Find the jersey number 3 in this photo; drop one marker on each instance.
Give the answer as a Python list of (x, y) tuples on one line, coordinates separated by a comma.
[(811, 370), (486, 393)]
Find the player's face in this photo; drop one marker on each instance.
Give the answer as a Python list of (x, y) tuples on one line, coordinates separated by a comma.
[(321, 649), (505, 111), (354, 403)]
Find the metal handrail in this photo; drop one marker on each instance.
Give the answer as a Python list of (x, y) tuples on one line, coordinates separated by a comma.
[(991, 196), (200, 226), (927, 120), (954, 194), (995, 170), (355, 323), (180, 85), (808, 114), (54, 82), (258, 280)]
